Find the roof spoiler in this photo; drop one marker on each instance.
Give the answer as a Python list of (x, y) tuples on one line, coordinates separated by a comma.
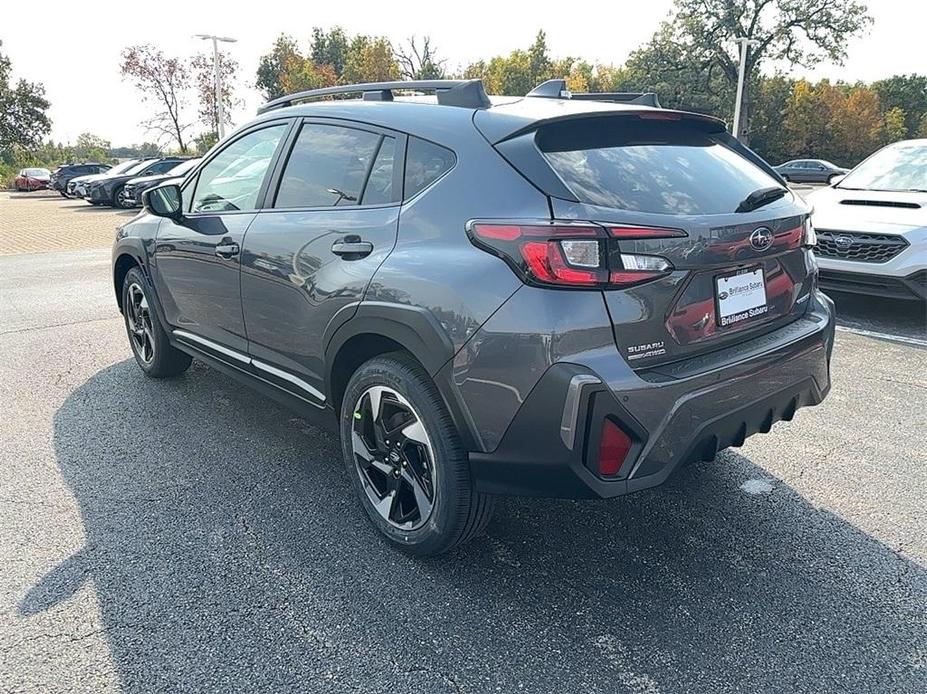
[(464, 93), (557, 89)]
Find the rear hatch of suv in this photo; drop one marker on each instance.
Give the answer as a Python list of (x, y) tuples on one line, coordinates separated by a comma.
[(698, 244)]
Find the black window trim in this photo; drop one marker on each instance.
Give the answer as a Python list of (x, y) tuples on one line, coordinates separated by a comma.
[(431, 183), (193, 177), (399, 164)]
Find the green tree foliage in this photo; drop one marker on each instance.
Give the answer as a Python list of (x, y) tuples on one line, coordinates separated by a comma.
[(24, 120), (906, 92), (697, 45), (273, 66), (90, 147), (333, 58)]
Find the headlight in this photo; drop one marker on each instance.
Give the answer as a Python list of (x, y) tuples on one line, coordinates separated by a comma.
[(809, 238)]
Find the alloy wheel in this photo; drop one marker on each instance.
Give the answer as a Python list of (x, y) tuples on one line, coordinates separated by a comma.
[(138, 319), (393, 457)]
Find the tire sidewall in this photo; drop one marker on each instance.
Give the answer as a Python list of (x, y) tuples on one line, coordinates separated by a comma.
[(384, 371)]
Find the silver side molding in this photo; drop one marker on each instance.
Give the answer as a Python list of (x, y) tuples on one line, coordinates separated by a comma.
[(571, 407), (185, 336), (191, 337), (298, 382)]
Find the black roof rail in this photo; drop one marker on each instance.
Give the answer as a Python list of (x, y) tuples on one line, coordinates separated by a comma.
[(557, 89), (465, 93)]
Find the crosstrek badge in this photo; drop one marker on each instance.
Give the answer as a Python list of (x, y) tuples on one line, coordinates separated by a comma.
[(648, 349)]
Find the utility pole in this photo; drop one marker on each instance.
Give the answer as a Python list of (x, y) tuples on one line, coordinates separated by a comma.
[(217, 77), (745, 43)]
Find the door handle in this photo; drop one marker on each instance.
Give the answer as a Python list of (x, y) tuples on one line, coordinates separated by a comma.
[(351, 245), (227, 249)]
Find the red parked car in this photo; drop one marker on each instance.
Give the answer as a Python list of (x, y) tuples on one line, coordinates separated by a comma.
[(32, 179)]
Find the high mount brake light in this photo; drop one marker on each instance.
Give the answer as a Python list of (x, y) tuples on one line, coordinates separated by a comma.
[(572, 254)]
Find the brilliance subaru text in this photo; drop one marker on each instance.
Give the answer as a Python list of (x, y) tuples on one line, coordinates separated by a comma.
[(559, 294)]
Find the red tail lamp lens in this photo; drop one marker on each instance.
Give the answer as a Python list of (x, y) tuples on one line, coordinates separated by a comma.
[(613, 448)]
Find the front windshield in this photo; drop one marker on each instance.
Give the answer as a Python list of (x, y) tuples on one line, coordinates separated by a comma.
[(902, 166), (124, 166), (140, 166)]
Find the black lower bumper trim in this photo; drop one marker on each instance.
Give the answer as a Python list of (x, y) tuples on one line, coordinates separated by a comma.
[(912, 288)]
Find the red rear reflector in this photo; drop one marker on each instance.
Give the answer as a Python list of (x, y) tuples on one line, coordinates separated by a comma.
[(613, 448)]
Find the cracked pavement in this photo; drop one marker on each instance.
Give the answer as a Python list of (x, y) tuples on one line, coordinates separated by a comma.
[(189, 535)]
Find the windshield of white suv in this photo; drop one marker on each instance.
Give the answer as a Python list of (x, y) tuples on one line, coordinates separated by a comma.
[(899, 167)]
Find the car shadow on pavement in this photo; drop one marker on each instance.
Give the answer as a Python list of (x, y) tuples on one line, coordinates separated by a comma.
[(227, 552)]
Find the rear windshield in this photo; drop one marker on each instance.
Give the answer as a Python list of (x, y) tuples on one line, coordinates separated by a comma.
[(647, 166)]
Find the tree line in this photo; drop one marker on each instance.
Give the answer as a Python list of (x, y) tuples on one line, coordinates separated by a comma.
[(691, 62)]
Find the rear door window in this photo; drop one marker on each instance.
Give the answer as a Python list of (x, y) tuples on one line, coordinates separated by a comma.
[(426, 162), (665, 167), (335, 166)]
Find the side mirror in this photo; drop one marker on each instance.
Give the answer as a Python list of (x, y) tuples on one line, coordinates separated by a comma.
[(164, 201), (836, 179)]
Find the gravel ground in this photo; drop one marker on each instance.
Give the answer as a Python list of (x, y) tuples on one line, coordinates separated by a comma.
[(189, 535)]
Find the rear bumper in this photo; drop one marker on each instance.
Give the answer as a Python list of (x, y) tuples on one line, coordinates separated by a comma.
[(912, 287), (675, 413)]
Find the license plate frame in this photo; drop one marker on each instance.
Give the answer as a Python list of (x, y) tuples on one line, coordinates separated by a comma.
[(740, 296)]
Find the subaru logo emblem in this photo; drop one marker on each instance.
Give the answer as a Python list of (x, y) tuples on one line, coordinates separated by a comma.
[(722, 296), (761, 239), (843, 242)]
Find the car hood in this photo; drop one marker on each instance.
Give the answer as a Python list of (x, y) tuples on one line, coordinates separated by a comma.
[(871, 211)]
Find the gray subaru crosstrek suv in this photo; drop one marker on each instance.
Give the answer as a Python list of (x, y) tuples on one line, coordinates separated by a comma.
[(552, 295)]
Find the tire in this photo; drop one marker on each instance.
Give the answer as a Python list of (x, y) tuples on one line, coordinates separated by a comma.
[(152, 349), (119, 197), (394, 467)]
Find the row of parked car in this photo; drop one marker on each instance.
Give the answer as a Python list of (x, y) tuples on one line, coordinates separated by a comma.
[(119, 186)]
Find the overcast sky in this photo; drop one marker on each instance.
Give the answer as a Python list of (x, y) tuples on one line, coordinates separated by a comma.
[(73, 48)]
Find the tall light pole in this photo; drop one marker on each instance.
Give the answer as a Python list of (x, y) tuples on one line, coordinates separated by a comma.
[(745, 43), (217, 76)]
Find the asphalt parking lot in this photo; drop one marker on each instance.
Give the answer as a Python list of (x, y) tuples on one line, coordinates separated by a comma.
[(188, 535)]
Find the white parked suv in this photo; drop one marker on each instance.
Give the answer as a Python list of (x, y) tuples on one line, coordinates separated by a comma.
[(872, 225)]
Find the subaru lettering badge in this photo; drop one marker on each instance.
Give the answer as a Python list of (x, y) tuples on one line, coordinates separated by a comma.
[(761, 239)]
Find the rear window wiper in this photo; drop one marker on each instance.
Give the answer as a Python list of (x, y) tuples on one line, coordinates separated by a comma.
[(761, 197)]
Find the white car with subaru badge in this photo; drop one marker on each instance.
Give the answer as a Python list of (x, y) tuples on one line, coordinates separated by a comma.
[(872, 225)]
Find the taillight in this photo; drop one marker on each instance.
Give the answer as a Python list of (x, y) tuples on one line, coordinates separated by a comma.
[(571, 254), (613, 448)]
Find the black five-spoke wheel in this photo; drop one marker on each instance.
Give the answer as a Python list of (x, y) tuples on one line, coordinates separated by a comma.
[(394, 458), (138, 319)]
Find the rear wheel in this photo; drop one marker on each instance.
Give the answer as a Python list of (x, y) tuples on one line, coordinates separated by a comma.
[(153, 351), (405, 459)]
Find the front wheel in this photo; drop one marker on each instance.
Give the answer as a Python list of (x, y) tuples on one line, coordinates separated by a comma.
[(405, 459), (119, 199), (153, 351)]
